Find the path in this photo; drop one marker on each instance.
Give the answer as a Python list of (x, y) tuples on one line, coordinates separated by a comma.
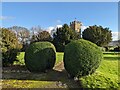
[(58, 78), (59, 66), (67, 81)]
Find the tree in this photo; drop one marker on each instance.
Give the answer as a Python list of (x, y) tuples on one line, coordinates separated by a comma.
[(23, 35), (63, 36), (41, 36), (35, 30), (98, 35), (9, 46)]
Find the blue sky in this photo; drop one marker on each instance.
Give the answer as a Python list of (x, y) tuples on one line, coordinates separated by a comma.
[(50, 14)]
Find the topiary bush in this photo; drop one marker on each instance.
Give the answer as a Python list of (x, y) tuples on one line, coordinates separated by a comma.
[(81, 58), (40, 56)]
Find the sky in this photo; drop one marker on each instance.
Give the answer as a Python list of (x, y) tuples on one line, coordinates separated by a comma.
[(50, 14)]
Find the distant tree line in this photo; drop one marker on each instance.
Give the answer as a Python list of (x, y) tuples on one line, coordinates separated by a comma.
[(96, 34)]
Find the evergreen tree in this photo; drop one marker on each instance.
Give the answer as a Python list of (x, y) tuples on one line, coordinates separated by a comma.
[(63, 36), (98, 35)]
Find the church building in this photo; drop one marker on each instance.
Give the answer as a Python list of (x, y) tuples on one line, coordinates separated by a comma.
[(76, 25)]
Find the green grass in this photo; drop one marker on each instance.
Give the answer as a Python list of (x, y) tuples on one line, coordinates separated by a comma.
[(26, 84), (20, 59), (106, 76), (111, 53), (59, 57)]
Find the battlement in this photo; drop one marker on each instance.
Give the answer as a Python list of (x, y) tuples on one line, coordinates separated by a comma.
[(76, 25)]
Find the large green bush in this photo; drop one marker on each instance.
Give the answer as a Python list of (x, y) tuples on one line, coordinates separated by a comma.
[(81, 58), (10, 46), (40, 56)]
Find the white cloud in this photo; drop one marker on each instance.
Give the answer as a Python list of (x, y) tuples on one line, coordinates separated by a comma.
[(115, 35), (58, 21), (50, 29), (83, 28), (58, 26), (6, 17)]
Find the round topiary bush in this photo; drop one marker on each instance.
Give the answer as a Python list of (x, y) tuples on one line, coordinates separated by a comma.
[(40, 56), (81, 58)]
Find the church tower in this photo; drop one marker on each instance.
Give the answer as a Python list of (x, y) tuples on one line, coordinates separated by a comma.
[(76, 25)]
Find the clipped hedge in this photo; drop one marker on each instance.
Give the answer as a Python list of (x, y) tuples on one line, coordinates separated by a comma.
[(40, 56), (82, 57)]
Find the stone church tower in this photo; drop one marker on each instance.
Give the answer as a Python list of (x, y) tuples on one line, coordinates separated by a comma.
[(76, 25)]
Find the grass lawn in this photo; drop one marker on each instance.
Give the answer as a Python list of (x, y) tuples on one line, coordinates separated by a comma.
[(106, 76), (59, 57)]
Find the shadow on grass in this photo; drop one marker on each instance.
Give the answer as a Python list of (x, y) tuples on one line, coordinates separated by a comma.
[(111, 53), (51, 75)]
